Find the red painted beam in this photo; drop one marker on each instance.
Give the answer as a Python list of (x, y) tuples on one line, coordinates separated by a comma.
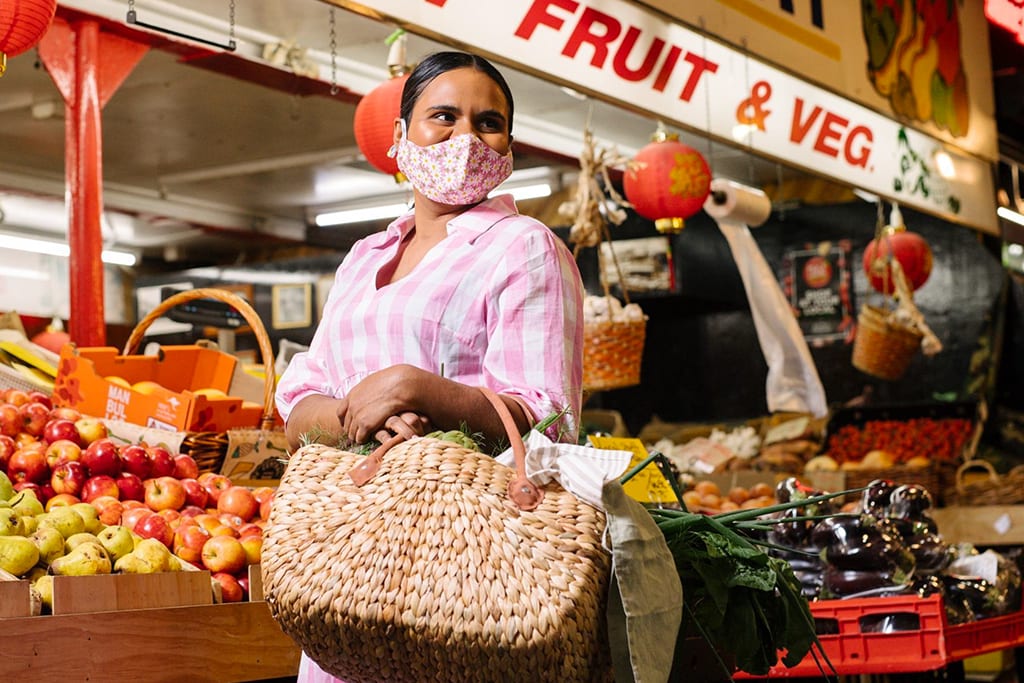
[(87, 65)]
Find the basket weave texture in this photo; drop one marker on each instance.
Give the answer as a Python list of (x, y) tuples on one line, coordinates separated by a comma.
[(612, 351), (993, 489), (883, 348), (428, 572)]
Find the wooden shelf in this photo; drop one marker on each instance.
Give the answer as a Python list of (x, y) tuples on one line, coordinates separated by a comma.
[(215, 643)]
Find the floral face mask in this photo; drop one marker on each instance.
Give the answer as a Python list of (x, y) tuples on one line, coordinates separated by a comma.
[(458, 171)]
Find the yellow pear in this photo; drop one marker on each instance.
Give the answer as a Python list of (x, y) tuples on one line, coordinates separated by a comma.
[(87, 559), (29, 523), (44, 586), (76, 540), (117, 540), (26, 503), (36, 572), (133, 564), (90, 515), (6, 487), (65, 520), (50, 544), (10, 523), (17, 554), (154, 552)]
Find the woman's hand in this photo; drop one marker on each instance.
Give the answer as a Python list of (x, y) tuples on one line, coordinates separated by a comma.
[(406, 425), (383, 401)]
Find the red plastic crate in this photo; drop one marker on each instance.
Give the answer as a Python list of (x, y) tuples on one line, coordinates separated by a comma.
[(926, 642)]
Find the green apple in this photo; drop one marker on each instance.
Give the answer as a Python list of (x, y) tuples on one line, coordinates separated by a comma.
[(117, 540), (50, 544)]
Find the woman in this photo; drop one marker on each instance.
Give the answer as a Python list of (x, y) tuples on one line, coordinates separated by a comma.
[(461, 291)]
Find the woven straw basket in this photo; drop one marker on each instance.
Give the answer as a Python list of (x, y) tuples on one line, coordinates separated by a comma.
[(989, 490), (612, 352), (209, 448), (430, 572), (882, 347)]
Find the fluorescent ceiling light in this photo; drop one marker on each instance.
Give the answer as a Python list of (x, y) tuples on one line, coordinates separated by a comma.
[(23, 273), (36, 246), (367, 213), (1010, 215)]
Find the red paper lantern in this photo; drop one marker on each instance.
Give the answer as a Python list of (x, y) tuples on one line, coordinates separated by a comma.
[(909, 248), (374, 122), (668, 183), (22, 25)]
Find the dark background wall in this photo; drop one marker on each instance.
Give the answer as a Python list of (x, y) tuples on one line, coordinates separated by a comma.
[(702, 360)]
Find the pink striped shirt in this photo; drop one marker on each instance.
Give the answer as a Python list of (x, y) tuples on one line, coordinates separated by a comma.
[(497, 303)]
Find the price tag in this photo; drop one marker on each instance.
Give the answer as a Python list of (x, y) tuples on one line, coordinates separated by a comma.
[(649, 485)]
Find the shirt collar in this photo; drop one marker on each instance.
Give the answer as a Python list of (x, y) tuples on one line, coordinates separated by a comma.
[(477, 219)]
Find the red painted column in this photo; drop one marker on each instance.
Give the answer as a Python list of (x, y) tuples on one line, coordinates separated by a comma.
[(87, 66)]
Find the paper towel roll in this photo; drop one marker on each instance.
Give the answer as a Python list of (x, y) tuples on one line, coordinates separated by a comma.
[(738, 203)]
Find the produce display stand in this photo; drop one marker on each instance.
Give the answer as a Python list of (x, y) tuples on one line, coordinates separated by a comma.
[(898, 635), (215, 643)]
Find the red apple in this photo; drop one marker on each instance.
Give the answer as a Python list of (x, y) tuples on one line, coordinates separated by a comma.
[(164, 493), (131, 486), (57, 429), (40, 397), (238, 500), (17, 397), (208, 521), (189, 540), (265, 507), (171, 515), (134, 459), (91, 429), (132, 516), (195, 494), (223, 554), (192, 510), (100, 485), (65, 413), (250, 529), (69, 477), (215, 484), (101, 457), (34, 417), (30, 486), (253, 546), (155, 526), (60, 499), (161, 462), (62, 450), (243, 581), (28, 463), (230, 589), (7, 448), (10, 420), (261, 493), (109, 508), (185, 467), (130, 504), (45, 491)]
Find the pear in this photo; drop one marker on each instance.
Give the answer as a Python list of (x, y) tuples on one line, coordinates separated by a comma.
[(117, 540), (17, 554), (154, 552), (90, 515), (6, 487), (133, 564), (49, 542), (174, 563), (65, 520), (10, 523), (27, 504), (76, 540), (29, 523), (44, 586), (87, 559), (35, 573)]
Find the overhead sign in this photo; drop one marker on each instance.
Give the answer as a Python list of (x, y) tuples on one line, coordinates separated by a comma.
[(626, 54)]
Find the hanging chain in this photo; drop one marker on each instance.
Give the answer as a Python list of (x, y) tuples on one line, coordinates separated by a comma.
[(131, 6), (231, 24), (334, 54)]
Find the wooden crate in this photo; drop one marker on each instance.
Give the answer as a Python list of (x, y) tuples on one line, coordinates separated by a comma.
[(981, 524), (15, 597), (114, 592)]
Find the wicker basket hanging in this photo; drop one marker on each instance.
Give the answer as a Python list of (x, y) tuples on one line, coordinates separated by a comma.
[(209, 448), (430, 571)]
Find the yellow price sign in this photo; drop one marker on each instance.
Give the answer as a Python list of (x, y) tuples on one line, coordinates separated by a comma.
[(649, 485)]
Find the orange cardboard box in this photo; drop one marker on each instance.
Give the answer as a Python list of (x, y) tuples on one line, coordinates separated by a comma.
[(89, 379)]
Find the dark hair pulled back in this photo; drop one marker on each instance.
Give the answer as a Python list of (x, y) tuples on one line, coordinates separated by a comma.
[(437, 63)]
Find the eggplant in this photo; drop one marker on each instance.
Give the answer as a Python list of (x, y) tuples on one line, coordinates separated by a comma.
[(909, 501), (978, 595), (846, 582), (929, 584), (863, 544), (790, 534), (931, 553), (838, 527), (874, 499)]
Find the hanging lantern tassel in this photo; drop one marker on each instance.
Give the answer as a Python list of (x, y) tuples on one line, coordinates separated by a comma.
[(894, 241), (667, 182), (22, 25), (374, 120)]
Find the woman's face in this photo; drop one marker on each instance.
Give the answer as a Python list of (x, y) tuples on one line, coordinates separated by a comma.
[(457, 102)]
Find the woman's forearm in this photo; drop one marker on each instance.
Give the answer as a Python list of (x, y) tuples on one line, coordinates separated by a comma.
[(314, 415)]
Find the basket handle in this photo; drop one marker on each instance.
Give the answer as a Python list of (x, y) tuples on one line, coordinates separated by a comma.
[(977, 463), (523, 493), (251, 317)]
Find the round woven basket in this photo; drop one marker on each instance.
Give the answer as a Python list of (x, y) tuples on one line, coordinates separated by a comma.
[(883, 348), (209, 448), (429, 572), (612, 353), (991, 489)]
